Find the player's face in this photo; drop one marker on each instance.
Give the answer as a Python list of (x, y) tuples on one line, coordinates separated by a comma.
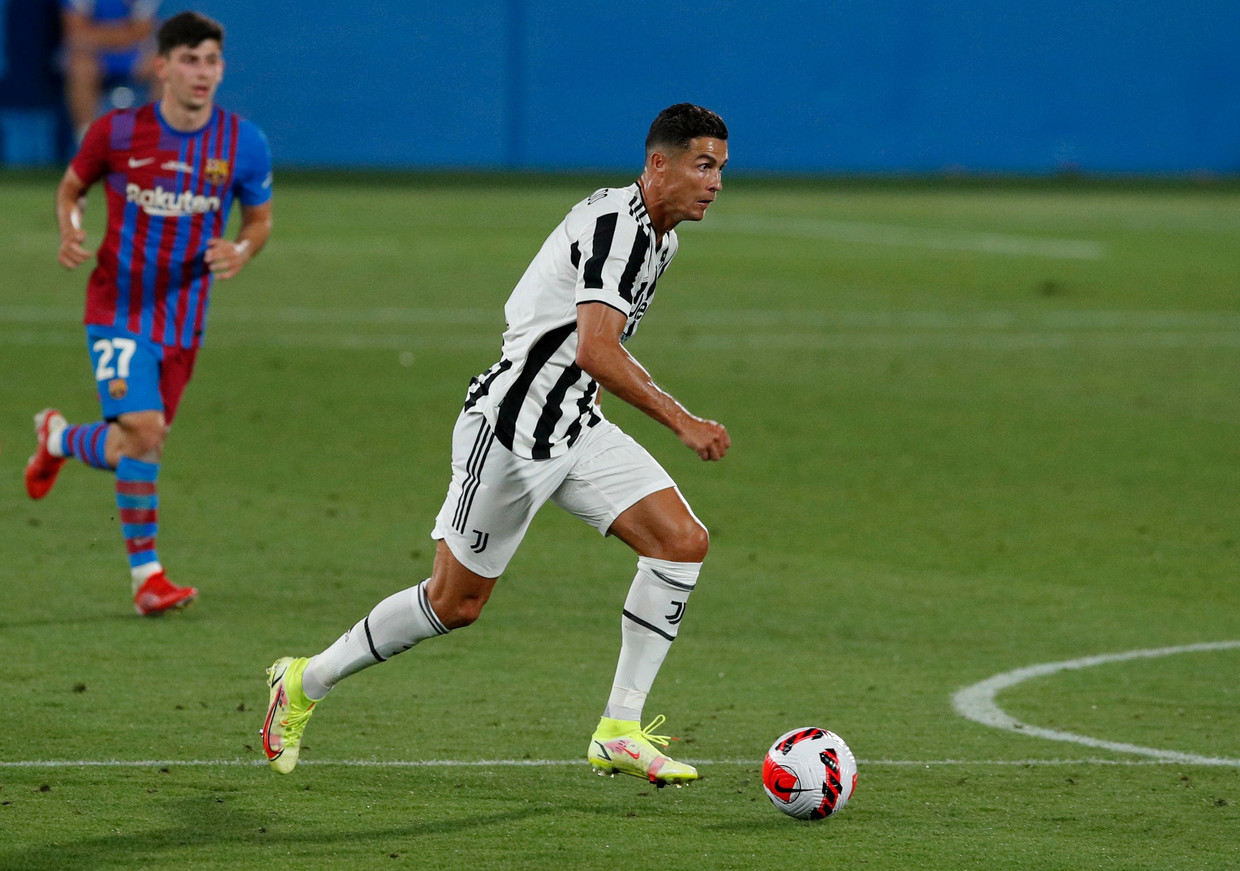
[(694, 177), (190, 75)]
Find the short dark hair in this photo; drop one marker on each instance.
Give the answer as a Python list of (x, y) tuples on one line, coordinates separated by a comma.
[(190, 29), (677, 125)]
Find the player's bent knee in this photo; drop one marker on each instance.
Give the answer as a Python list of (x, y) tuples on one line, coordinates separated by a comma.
[(144, 441), (456, 607), (459, 614), (455, 593), (141, 435), (692, 543)]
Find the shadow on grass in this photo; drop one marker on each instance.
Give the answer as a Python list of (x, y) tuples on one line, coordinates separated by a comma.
[(74, 620), (207, 831)]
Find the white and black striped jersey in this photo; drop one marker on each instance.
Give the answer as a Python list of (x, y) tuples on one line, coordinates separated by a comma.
[(536, 398)]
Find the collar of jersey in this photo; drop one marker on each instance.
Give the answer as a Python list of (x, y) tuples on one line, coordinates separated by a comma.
[(644, 217), (185, 134)]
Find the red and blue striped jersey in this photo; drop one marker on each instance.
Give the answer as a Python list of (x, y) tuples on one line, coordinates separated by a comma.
[(168, 193)]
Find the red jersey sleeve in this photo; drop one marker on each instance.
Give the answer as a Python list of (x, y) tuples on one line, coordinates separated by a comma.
[(91, 161)]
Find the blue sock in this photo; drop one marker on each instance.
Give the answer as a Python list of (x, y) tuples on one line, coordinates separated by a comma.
[(86, 442), (138, 501)]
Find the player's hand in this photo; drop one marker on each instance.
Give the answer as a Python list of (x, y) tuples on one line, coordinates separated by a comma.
[(225, 258), (708, 438), (72, 252)]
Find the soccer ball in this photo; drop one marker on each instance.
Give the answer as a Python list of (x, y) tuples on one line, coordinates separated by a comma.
[(809, 773)]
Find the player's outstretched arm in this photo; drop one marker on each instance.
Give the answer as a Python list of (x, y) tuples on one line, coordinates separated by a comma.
[(600, 354), (69, 193), (225, 259)]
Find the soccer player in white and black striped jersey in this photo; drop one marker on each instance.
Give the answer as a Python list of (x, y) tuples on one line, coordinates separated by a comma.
[(532, 430)]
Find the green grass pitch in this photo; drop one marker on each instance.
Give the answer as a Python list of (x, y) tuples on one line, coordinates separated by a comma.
[(976, 428)]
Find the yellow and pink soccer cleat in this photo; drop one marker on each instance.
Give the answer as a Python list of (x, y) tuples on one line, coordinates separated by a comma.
[(286, 714), (625, 747)]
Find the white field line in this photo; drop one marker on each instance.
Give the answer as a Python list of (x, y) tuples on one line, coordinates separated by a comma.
[(815, 229), (962, 341), (408, 344), (859, 232), (369, 329), (977, 702), (555, 763), (403, 344), (286, 315), (32, 242), (989, 321)]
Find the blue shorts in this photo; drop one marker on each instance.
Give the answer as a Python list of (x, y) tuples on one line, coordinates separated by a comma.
[(127, 371), (120, 65), (133, 373)]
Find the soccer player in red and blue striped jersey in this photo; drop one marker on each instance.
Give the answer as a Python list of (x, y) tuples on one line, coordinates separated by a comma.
[(171, 171)]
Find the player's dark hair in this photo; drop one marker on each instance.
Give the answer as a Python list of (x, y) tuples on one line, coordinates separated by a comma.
[(677, 125), (189, 29)]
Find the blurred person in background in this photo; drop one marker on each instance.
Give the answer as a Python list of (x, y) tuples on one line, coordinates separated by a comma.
[(106, 44)]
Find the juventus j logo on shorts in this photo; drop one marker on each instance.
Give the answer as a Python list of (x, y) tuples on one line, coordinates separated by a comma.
[(480, 541)]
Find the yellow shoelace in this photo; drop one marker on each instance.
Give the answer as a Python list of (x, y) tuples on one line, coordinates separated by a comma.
[(647, 732)]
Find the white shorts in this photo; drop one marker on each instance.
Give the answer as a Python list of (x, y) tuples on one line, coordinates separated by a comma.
[(495, 494)]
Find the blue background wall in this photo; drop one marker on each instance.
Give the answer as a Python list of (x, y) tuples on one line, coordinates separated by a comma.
[(1145, 86)]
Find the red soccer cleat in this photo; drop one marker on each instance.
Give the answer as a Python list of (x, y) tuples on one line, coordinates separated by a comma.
[(42, 468), (157, 595)]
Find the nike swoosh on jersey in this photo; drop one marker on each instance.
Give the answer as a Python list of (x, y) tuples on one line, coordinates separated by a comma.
[(134, 164)]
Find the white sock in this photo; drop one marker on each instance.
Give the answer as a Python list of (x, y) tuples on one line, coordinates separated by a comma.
[(394, 625), (139, 574), (651, 620), (56, 439)]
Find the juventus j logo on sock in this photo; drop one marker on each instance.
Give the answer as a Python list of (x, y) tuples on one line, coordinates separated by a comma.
[(677, 615)]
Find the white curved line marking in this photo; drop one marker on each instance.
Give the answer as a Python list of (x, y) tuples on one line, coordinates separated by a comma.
[(977, 703)]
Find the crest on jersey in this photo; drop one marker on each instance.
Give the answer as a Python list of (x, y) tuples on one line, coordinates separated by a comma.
[(117, 388), (216, 170)]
